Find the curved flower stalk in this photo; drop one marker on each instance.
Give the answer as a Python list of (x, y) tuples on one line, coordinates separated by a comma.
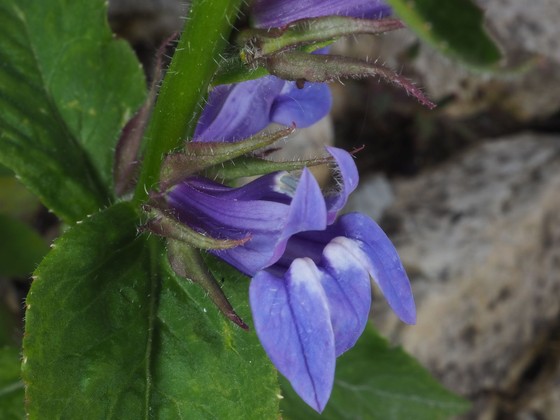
[(310, 289), (276, 13)]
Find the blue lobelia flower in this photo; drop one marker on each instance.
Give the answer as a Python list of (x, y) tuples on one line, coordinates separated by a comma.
[(237, 111), (277, 13), (310, 290)]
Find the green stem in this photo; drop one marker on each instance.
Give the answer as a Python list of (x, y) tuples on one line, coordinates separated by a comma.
[(185, 86)]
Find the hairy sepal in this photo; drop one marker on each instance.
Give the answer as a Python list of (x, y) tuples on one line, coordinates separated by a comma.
[(199, 156)]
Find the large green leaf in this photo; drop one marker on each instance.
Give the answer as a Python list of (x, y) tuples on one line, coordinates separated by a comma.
[(11, 386), (66, 88), (111, 334), (207, 367), (374, 381), (456, 28)]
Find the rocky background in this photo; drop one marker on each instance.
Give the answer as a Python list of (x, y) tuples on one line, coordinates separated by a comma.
[(469, 192)]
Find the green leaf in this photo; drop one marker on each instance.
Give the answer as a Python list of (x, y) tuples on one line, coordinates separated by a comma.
[(66, 89), (21, 248), (374, 381), (207, 367), (455, 28), (111, 333), (11, 386)]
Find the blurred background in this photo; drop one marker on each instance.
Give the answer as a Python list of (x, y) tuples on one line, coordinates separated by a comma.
[(469, 193)]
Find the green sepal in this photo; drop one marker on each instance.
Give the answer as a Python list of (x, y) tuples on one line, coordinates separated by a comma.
[(252, 166), (257, 43), (163, 223), (187, 262), (198, 156), (303, 67), (234, 70)]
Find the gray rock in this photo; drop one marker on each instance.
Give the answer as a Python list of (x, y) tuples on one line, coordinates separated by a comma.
[(372, 197), (527, 30), (480, 238), (523, 25)]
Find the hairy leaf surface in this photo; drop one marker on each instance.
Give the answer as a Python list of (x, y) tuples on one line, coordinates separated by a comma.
[(112, 334)]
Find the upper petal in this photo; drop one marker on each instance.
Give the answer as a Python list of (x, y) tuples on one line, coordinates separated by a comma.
[(292, 321), (306, 212), (254, 209), (307, 209), (347, 181), (277, 13), (302, 107), (348, 288), (382, 261), (238, 111)]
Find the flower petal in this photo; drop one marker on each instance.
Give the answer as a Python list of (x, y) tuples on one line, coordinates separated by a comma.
[(238, 111), (348, 181), (277, 13), (382, 262), (302, 107), (307, 209), (223, 218), (348, 289), (292, 321), (307, 213), (234, 213)]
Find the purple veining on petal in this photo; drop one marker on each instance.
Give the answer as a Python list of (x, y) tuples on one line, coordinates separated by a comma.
[(292, 320), (277, 13), (382, 262)]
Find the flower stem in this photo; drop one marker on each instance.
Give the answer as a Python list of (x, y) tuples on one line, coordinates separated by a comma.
[(185, 85)]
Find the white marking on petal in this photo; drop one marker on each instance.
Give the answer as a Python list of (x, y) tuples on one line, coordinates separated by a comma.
[(284, 183), (307, 273), (339, 259)]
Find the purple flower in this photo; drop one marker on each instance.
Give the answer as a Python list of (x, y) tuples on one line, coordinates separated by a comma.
[(310, 289), (277, 13), (240, 110), (310, 309)]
